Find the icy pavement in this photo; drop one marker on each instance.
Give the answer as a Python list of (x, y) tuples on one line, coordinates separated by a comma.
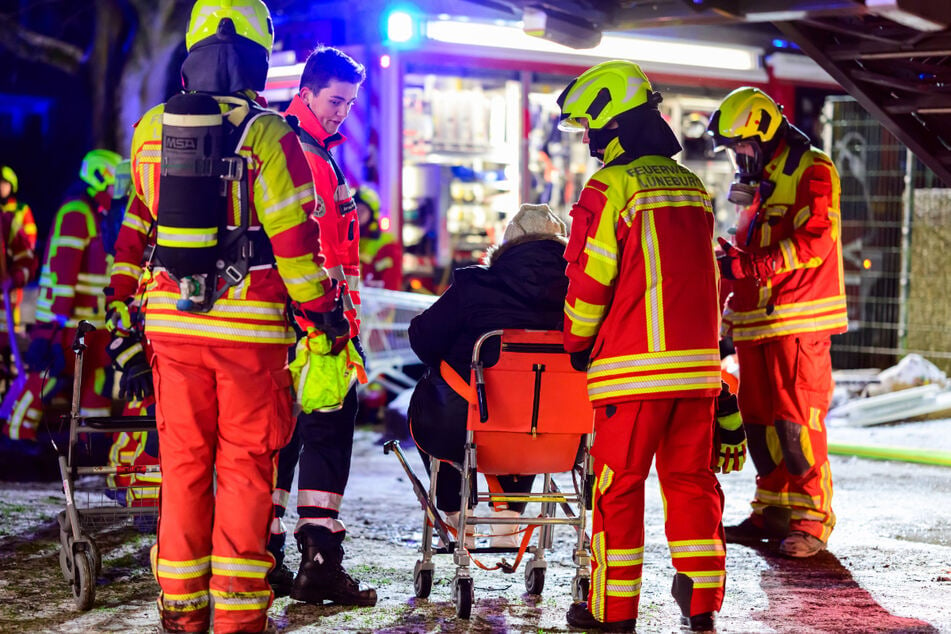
[(888, 568)]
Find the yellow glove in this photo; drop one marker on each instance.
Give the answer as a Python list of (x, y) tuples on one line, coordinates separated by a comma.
[(731, 443)]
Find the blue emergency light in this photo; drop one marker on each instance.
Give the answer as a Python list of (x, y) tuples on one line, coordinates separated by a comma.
[(401, 27)]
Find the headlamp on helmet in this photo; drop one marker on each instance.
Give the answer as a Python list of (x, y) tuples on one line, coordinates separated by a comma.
[(249, 19)]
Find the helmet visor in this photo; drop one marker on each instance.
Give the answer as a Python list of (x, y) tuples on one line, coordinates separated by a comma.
[(573, 124)]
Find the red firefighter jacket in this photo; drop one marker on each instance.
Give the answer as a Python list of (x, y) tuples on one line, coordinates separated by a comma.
[(799, 226), (282, 198), (74, 271), (642, 290), (21, 220), (381, 262), (19, 243), (335, 211)]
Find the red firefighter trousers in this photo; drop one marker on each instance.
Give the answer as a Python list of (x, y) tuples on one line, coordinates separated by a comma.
[(627, 438), (785, 386), (222, 413)]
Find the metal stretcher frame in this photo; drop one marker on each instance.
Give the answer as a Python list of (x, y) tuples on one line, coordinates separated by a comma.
[(557, 391)]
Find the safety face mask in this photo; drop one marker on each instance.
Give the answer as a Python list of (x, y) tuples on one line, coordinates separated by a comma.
[(742, 193)]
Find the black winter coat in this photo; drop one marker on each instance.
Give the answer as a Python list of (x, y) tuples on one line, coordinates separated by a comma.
[(524, 286)]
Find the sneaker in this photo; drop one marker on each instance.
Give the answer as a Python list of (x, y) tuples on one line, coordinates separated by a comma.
[(580, 617), (704, 622), (281, 579), (801, 544), (506, 535)]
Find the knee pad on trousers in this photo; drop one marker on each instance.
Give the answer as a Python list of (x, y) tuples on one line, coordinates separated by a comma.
[(797, 450), (759, 449), (682, 591)]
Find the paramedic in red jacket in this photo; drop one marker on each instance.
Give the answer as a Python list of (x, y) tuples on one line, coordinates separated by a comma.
[(329, 86), (642, 316), (788, 298)]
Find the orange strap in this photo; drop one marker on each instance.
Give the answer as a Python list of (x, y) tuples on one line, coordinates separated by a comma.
[(503, 565), (459, 385), (495, 487)]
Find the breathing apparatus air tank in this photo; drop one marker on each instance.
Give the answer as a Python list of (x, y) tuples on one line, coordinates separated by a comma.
[(192, 199)]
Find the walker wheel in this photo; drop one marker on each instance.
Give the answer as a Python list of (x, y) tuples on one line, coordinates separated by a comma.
[(84, 580), (64, 562), (95, 554)]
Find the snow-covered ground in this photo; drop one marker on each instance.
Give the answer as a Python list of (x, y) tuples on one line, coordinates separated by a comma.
[(888, 568)]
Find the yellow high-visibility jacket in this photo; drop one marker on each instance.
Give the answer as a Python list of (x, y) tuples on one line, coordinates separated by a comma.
[(282, 199)]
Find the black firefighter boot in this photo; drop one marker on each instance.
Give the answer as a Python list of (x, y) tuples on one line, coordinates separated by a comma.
[(321, 576)]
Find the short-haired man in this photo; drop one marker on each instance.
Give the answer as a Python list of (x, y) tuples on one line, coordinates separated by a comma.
[(324, 441)]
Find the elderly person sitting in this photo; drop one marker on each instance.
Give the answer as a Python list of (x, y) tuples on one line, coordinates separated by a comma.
[(521, 285)]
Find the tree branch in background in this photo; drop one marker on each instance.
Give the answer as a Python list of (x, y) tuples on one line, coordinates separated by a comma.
[(36, 47)]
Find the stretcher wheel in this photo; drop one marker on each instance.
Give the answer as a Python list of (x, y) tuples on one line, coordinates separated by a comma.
[(423, 583), (579, 588), (534, 580), (84, 580), (462, 596)]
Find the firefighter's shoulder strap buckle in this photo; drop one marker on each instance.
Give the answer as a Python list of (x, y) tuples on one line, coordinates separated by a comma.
[(233, 274), (232, 168)]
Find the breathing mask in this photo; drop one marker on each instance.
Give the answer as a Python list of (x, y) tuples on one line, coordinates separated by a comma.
[(747, 159)]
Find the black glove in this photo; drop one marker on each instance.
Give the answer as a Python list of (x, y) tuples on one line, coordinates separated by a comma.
[(43, 354), (580, 359), (136, 381), (129, 358), (333, 322)]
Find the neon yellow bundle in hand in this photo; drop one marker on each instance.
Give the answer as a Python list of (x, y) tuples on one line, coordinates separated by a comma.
[(322, 379)]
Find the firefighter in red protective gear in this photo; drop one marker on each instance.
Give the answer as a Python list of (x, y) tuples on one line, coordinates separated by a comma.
[(788, 297), (19, 246), (323, 441), (380, 257), (71, 282), (130, 358), (220, 335), (641, 315)]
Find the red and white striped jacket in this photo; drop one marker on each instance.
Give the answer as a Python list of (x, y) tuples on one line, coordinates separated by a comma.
[(642, 290)]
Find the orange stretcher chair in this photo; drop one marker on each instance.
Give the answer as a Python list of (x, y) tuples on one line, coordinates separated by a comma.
[(529, 413)]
